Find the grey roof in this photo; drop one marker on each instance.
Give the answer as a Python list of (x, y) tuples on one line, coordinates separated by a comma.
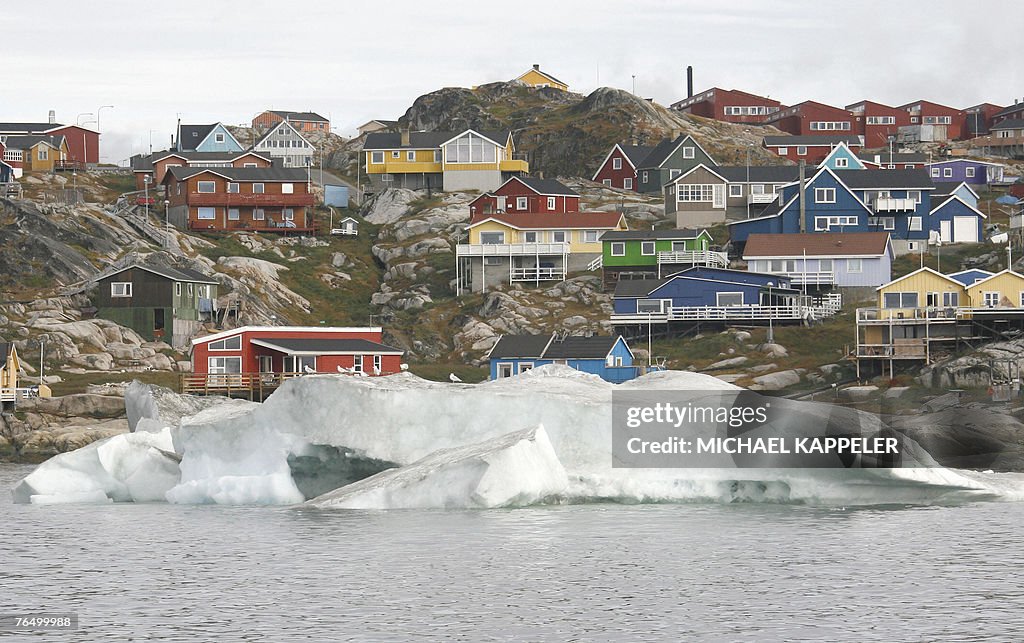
[(27, 128), (5, 351), (637, 287), (660, 152), (1010, 123), (144, 162), (324, 346), (894, 179), (299, 116), (946, 188), (422, 140), (23, 142), (821, 139), (759, 174), (550, 347), (175, 274), (547, 186), (1016, 107), (636, 153), (897, 157), (626, 235), (192, 135), (244, 173)]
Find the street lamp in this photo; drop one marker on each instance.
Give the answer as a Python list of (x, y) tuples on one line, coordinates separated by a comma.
[(167, 222), (98, 110), (78, 119), (749, 147), (634, 84)]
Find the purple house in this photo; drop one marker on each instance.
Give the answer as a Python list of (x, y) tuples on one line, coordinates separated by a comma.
[(966, 171)]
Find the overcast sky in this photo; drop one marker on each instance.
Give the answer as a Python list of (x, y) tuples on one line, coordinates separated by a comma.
[(217, 60)]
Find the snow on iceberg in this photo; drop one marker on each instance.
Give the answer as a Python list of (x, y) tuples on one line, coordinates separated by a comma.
[(342, 429), (516, 469)]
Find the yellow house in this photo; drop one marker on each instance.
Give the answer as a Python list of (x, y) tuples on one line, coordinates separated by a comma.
[(1002, 290), (534, 77), (912, 294), (450, 161), (39, 153), (531, 247), (9, 371)]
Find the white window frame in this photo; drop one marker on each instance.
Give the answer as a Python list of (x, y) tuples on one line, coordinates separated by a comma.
[(735, 190), (177, 289), (627, 183), (259, 214), (233, 188), (522, 203), (378, 364), (935, 172), (552, 203), (782, 151), (395, 154), (990, 296), (206, 214), (620, 246), (222, 344), (212, 185), (947, 172), (643, 176), (914, 224), (410, 156), (357, 364), (842, 162), (559, 233), (234, 214), (591, 236), (969, 172), (641, 303), (287, 214), (645, 245), (824, 195), (718, 298), (501, 237), (525, 366), (689, 152), (121, 289), (219, 137), (504, 369), (801, 150), (258, 188), (287, 188), (530, 236), (617, 163), (607, 182), (376, 158), (951, 299), (855, 266)]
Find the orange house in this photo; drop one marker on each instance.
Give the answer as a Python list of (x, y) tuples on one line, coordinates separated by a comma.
[(302, 121)]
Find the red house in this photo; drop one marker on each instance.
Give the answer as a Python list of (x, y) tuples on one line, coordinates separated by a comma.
[(260, 358), (923, 112), (83, 143), (730, 105), (618, 170), (810, 118), (877, 122), (979, 118), (155, 165), (267, 199), (527, 195), (812, 149)]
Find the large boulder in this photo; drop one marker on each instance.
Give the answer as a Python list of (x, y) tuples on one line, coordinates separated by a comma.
[(390, 205)]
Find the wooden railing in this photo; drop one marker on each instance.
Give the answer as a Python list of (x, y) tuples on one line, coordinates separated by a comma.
[(696, 257), (537, 274), (509, 249)]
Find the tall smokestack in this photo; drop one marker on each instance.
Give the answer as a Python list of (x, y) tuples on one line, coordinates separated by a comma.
[(803, 197), (689, 81)]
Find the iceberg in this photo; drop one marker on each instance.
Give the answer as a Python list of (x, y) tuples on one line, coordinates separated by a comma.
[(401, 441)]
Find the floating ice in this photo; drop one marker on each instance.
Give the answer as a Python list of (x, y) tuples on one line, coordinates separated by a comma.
[(438, 438)]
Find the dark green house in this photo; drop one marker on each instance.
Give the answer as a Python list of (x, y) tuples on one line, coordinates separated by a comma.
[(644, 254), (669, 159), (158, 302)]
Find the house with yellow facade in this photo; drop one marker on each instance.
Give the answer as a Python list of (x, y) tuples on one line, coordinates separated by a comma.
[(449, 161), (530, 247), (35, 152), (534, 77), (926, 315), (10, 368)]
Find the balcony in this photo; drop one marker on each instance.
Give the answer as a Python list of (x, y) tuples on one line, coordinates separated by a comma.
[(761, 199), (514, 165), (696, 258), (535, 273), (887, 316), (510, 249), (894, 205), (250, 200), (809, 278), (398, 166), (749, 312)]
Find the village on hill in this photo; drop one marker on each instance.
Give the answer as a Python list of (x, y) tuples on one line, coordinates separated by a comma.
[(864, 252)]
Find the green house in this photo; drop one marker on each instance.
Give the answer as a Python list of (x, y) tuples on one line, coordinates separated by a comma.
[(642, 254), (669, 159)]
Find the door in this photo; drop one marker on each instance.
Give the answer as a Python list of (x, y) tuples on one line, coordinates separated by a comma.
[(945, 232), (266, 368), (501, 203), (718, 196), (965, 229)]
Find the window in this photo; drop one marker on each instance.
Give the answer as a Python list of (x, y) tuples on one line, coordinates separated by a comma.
[(43, 154), (470, 148), (951, 299), (801, 150), (218, 137), (396, 154), (729, 298), (410, 156), (915, 195), (437, 156), (376, 157), (783, 151), (969, 172), (530, 237), (206, 214), (551, 202), (824, 195), (191, 289), (645, 306), (824, 265), (232, 188), (224, 365), (735, 189), (287, 188), (935, 172), (288, 214), (947, 172), (233, 214), (357, 363), (914, 224), (558, 236), (504, 370), (607, 182), (991, 299), (121, 289), (259, 214), (591, 236), (899, 300), (688, 152), (618, 249), (207, 187), (377, 364), (757, 188), (492, 237), (627, 183), (227, 344), (841, 162), (257, 188), (177, 289), (616, 163), (522, 203), (695, 193), (854, 265), (525, 366), (826, 223), (886, 223), (643, 176), (647, 248)]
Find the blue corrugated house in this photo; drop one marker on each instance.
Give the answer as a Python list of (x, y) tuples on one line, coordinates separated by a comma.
[(6, 172), (206, 138), (841, 158), (956, 221), (608, 357), (965, 170), (962, 190)]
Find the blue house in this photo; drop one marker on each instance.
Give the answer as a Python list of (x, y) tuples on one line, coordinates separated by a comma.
[(823, 260), (206, 138), (965, 170), (962, 190), (608, 357), (6, 172), (841, 158), (956, 221)]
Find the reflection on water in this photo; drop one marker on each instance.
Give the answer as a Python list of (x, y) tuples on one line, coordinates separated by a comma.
[(750, 572)]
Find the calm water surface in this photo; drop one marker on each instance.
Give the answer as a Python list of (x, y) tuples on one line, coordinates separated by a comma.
[(597, 572)]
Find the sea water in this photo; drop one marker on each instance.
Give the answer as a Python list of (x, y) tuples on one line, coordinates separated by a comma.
[(594, 571)]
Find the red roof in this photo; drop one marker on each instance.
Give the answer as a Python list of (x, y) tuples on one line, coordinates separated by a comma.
[(817, 244), (556, 220)]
